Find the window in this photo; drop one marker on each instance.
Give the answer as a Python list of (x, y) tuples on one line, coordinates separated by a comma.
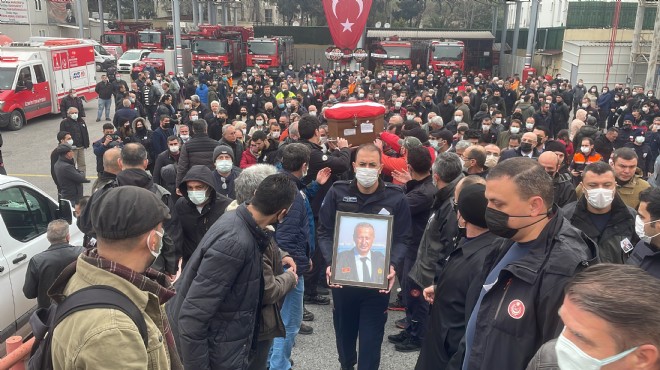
[(268, 15), (26, 214), (39, 73), (37, 5), (23, 76), (42, 33)]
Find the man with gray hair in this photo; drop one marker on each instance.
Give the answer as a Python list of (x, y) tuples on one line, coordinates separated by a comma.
[(437, 241), (229, 139), (434, 123), (199, 107), (124, 114), (46, 266)]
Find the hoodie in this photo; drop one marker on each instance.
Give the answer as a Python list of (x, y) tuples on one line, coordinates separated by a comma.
[(191, 222)]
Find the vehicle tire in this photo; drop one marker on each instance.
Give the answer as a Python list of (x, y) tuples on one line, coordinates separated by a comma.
[(99, 68), (16, 121)]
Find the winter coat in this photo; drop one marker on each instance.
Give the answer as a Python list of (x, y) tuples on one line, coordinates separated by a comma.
[(198, 150), (647, 257), (419, 194), (219, 295), (564, 189), (248, 159), (68, 102), (293, 233), (78, 131), (69, 179), (190, 225), (124, 114)]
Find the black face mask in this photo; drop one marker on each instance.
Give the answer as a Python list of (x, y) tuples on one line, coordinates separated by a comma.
[(498, 223), (526, 147)]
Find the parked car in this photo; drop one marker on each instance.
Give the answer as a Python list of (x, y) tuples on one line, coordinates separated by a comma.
[(25, 212), (131, 57)]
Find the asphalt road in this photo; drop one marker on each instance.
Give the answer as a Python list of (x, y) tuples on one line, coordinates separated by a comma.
[(26, 155)]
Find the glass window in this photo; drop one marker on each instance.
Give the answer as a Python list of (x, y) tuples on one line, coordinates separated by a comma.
[(24, 76), (39, 73), (268, 15), (37, 4), (26, 214), (262, 47)]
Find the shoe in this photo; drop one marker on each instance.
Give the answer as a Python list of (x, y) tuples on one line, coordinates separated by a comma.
[(98, 120), (402, 324), (107, 119), (409, 345), (305, 329), (396, 306), (291, 362), (307, 316), (398, 338), (322, 291), (316, 299)]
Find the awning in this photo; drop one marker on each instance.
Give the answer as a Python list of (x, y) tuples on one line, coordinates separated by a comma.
[(431, 34), (71, 26)]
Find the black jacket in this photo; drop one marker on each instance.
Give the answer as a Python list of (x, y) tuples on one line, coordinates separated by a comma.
[(237, 147), (344, 196), (535, 282), (647, 258), (292, 234), (219, 293), (339, 162), (78, 131), (44, 268), (69, 179), (515, 153), (439, 236), (620, 227), (105, 90), (123, 115), (453, 305), (420, 199), (162, 160), (198, 150), (604, 147), (68, 102), (188, 224), (564, 189)]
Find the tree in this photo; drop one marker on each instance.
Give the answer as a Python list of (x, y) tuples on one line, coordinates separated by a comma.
[(412, 11)]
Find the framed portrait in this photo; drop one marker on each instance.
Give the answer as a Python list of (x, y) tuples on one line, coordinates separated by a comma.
[(361, 250)]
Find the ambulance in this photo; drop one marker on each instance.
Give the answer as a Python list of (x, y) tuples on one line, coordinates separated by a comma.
[(35, 76)]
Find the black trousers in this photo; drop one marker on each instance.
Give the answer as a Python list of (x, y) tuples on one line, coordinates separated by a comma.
[(417, 309), (313, 276), (363, 312)]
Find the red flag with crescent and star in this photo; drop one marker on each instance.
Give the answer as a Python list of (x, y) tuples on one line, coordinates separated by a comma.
[(346, 19)]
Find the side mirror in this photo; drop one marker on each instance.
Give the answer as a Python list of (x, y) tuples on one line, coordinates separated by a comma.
[(64, 211)]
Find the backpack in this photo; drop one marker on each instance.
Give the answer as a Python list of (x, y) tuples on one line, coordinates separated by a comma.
[(43, 321)]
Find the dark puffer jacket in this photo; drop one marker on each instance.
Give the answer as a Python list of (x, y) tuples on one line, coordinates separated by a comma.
[(219, 295), (190, 225), (199, 150)]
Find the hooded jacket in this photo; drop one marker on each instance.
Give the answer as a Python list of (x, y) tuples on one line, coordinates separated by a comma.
[(293, 234), (189, 224), (519, 312), (439, 236)]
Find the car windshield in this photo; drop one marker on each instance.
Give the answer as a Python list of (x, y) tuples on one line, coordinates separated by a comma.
[(261, 47), (101, 50), (211, 47), (443, 52), (130, 55), (158, 55), (7, 78), (397, 52), (113, 39), (150, 37)]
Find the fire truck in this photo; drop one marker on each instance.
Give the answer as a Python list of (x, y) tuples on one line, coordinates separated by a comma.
[(35, 76), (272, 54), (392, 56), (152, 39), (223, 47), (156, 59), (445, 57), (122, 36)]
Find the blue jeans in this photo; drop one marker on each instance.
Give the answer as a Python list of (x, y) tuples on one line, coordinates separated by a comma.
[(104, 104), (292, 312)]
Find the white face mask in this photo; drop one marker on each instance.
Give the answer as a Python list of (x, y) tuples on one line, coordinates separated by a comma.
[(312, 113), (485, 127), (458, 119), (600, 198), (585, 149), (184, 137), (74, 116), (259, 122), (160, 245), (410, 116), (197, 196), (639, 229), (70, 142), (498, 121), (434, 144), (224, 165), (570, 357), (529, 126), (639, 139), (491, 161), (366, 177), (397, 104), (514, 130), (193, 118), (585, 105), (275, 134), (174, 148)]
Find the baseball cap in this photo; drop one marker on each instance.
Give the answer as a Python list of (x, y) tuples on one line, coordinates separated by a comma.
[(126, 212)]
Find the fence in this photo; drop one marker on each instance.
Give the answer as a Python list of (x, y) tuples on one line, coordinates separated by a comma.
[(598, 14)]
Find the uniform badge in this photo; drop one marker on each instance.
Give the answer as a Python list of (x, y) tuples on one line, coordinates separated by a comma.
[(345, 270), (325, 157), (516, 309), (415, 293)]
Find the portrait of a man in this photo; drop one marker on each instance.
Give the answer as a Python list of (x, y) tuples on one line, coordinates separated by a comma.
[(361, 263)]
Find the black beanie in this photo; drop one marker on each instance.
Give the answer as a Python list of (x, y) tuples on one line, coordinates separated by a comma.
[(472, 204)]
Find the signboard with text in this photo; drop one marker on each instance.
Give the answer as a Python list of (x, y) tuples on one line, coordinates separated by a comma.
[(14, 11)]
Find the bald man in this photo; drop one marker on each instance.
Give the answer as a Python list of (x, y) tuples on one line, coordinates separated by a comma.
[(110, 169), (562, 182), (527, 148)]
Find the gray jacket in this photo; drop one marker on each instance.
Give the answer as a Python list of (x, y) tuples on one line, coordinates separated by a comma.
[(545, 358)]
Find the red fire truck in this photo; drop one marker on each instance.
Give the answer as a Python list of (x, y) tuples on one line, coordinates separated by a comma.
[(35, 76), (152, 39), (445, 57), (270, 53), (392, 56), (123, 35), (223, 47)]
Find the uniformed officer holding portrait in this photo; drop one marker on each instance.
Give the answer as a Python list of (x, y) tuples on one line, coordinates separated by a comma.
[(360, 263)]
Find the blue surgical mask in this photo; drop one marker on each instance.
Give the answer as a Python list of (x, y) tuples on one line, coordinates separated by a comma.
[(570, 357)]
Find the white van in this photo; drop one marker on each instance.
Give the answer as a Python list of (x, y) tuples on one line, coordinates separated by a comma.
[(25, 212), (102, 57)]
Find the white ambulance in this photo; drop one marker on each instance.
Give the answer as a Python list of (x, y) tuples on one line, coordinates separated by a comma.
[(35, 76)]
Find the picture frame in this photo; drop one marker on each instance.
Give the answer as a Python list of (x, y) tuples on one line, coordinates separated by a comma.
[(361, 246)]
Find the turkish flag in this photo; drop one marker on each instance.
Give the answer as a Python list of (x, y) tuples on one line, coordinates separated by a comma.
[(346, 19)]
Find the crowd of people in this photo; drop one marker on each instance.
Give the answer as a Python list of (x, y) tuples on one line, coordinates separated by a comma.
[(525, 229)]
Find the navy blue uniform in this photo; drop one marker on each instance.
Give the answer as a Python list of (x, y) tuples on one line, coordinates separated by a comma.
[(362, 310)]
